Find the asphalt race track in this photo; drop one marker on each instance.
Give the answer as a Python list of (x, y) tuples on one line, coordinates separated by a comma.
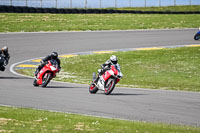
[(124, 103)]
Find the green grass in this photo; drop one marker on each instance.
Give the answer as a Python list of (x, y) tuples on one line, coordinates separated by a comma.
[(23, 120), (13, 22), (169, 69), (164, 8)]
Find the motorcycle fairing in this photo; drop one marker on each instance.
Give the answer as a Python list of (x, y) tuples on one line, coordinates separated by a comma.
[(107, 75), (112, 71), (41, 73), (101, 83)]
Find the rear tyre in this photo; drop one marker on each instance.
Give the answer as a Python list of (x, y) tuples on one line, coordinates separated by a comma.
[(196, 37), (93, 89), (46, 80), (110, 85)]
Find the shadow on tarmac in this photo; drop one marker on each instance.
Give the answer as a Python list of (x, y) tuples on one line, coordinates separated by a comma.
[(125, 94), (62, 87), (121, 94)]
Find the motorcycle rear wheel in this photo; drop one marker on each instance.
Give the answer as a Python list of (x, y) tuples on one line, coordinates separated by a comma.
[(46, 80), (109, 86), (93, 89)]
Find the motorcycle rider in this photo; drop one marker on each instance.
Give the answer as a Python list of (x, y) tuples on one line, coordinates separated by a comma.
[(106, 66), (4, 53), (53, 55)]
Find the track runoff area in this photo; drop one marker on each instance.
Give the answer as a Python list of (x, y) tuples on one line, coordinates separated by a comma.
[(33, 63)]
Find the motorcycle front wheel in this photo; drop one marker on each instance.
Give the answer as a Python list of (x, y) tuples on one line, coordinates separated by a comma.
[(196, 37), (92, 88), (109, 86), (46, 79), (35, 83)]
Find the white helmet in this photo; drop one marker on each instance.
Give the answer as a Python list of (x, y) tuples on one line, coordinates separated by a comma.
[(113, 59)]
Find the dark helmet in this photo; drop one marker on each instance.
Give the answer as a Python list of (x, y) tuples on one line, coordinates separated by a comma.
[(113, 59), (54, 55), (4, 49)]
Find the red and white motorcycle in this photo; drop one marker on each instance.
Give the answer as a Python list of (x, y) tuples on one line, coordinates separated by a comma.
[(46, 73), (107, 81)]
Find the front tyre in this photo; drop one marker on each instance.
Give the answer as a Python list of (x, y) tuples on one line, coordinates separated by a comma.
[(93, 89), (46, 79), (196, 37), (109, 86), (35, 83)]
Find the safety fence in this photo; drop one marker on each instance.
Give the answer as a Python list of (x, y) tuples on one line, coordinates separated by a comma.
[(96, 3), (19, 9)]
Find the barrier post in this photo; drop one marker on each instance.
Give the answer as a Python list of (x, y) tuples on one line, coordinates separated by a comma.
[(85, 3), (41, 3)]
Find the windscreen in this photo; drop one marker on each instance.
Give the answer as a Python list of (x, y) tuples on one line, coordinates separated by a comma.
[(117, 67), (54, 63)]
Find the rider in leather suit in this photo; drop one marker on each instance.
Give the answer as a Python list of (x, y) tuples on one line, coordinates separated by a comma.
[(53, 55), (106, 66), (4, 54)]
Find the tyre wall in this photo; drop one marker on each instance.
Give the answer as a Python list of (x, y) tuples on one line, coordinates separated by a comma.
[(21, 9)]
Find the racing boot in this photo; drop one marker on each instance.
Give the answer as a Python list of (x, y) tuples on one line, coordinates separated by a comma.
[(36, 72), (96, 80), (38, 69), (99, 74)]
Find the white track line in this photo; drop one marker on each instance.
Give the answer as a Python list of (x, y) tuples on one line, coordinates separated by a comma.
[(42, 32)]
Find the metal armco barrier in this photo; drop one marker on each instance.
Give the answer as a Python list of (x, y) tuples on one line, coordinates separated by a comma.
[(96, 3)]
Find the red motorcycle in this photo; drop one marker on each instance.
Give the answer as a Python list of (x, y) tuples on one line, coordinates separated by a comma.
[(107, 81), (46, 73)]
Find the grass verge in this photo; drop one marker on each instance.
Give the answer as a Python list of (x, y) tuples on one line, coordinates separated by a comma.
[(20, 120), (15, 22), (169, 69)]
